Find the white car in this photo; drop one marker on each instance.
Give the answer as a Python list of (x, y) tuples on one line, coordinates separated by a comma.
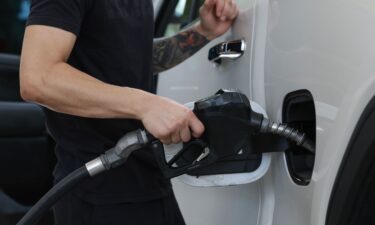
[(306, 63)]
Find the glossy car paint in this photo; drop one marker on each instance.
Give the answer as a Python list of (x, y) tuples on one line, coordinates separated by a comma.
[(197, 78), (325, 47)]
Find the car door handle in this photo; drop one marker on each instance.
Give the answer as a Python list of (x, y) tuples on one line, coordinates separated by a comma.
[(227, 50)]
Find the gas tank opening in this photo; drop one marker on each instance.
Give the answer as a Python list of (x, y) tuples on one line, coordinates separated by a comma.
[(299, 113)]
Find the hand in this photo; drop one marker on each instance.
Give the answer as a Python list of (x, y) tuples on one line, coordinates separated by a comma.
[(216, 17), (169, 121)]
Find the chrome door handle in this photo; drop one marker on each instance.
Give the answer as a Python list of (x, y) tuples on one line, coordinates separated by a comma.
[(227, 50)]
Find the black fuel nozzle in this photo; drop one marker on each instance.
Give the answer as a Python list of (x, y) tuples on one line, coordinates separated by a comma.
[(229, 119), (233, 132)]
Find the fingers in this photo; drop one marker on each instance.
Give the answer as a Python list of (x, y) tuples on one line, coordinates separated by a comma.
[(193, 127), (229, 11), (234, 11), (196, 126), (176, 138), (225, 9), (184, 131), (185, 134), (220, 5), (171, 122)]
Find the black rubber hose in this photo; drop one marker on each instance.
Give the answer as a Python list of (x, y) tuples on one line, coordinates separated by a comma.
[(53, 195)]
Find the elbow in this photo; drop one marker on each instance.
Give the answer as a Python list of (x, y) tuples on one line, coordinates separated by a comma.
[(30, 88)]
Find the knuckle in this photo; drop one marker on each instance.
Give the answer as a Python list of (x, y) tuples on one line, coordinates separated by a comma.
[(174, 126), (171, 126), (186, 138), (180, 123), (163, 134), (176, 138), (186, 110), (190, 114)]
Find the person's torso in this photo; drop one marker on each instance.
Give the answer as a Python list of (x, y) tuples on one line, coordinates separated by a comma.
[(115, 46), (115, 42)]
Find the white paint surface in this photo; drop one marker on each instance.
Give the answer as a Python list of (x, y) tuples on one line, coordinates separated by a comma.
[(325, 46)]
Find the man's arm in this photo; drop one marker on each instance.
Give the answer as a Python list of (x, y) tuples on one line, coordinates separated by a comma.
[(216, 17), (168, 52), (47, 79)]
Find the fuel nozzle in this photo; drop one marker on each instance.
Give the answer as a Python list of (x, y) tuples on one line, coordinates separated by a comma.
[(118, 155), (263, 125), (229, 119), (283, 130)]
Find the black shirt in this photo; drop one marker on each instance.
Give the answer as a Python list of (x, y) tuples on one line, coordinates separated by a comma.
[(114, 45)]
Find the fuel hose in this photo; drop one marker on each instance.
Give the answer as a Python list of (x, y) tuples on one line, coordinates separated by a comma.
[(53, 195), (112, 158)]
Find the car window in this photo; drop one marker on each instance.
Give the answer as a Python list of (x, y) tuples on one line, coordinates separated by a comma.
[(13, 15), (185, 12)]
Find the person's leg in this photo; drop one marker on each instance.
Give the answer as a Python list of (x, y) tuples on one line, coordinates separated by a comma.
[(163, 211), (172, 211), (71, 210)]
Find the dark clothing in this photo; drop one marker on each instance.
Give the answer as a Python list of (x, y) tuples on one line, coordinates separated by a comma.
[(114, 44), (74, 211)]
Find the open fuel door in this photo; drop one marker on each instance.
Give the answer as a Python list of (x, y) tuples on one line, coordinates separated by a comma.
[(224, 63)]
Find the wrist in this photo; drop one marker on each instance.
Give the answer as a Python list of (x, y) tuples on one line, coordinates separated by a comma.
[(202, 31), (139, 104)]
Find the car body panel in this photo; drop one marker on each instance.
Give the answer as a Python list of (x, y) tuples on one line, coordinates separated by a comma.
[(325, 47), (197, 78)]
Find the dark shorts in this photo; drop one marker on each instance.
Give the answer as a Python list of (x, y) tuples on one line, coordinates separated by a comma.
[(71, 210)]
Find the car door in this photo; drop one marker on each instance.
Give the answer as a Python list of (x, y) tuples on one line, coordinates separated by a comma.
[(196, 78)]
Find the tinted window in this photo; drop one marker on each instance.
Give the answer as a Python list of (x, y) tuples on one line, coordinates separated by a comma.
[(13, 15), (185, 12)]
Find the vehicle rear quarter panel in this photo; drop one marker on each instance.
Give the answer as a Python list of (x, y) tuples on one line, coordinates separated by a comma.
[(327, 47)]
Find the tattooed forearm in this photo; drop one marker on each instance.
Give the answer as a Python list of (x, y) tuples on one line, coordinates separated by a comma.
[(171, 51)]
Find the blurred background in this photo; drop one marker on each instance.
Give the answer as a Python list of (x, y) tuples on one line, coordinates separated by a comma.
[(26, 150), (13, 15)]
